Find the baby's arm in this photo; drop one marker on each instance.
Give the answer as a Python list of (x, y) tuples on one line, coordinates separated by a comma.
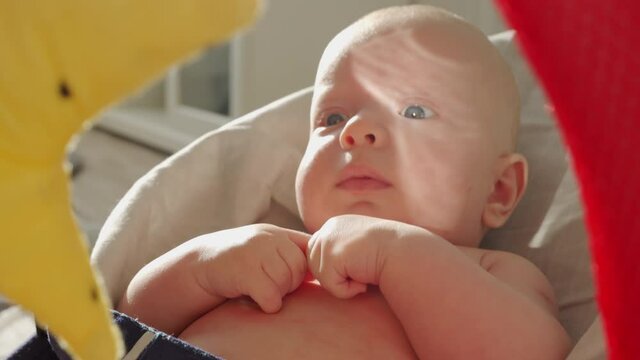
[(166, 293), (262, 261), (453, 302), (496, 305)]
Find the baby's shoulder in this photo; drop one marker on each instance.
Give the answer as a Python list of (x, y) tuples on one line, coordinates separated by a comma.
[(520, 274)]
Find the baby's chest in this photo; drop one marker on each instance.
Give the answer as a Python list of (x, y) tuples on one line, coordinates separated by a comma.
[(311, 324)]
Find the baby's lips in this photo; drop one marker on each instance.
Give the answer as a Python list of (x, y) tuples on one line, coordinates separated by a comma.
[(360, 171), (360, 178), (362, 184)]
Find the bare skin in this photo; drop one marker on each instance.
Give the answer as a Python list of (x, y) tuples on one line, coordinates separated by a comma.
[(336, 319), (311, 324), (410, 161)]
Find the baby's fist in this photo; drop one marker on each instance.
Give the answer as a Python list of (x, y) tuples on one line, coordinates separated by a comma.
[(349, 252), (262, 261)]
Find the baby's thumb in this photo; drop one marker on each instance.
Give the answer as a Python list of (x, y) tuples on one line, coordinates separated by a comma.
[(349, 289)]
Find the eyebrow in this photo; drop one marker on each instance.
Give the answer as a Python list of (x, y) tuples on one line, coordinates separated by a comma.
[(340, 94), (329, 93)]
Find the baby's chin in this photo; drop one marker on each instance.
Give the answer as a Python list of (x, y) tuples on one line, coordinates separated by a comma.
[(314, 223)]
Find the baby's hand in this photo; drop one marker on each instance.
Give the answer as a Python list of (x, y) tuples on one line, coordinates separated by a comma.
[(263, 261), (349, 252)]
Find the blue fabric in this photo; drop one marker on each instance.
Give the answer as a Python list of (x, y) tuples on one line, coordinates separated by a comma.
[(35, 348), (162, 347)]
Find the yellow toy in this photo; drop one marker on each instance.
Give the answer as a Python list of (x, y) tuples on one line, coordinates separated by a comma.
[(62, 61)]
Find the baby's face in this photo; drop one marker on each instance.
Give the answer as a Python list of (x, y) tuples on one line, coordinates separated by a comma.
[(399, 130)]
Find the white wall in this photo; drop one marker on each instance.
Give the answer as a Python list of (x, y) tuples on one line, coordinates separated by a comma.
[(481, 13)]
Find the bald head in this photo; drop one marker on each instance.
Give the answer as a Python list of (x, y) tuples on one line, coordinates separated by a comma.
[(380, 22), (433, 40)]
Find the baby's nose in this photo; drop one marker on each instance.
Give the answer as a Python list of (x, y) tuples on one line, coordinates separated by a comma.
[(367, 138), (360, 132)]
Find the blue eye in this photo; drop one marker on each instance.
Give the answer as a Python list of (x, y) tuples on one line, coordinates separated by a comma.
[(417, 112), (334, 118)]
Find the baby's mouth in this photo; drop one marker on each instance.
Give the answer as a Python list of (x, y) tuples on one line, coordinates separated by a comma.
[(360, 178), (362, 183)]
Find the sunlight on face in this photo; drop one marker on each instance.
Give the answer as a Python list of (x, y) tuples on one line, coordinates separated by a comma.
[(402, 127)]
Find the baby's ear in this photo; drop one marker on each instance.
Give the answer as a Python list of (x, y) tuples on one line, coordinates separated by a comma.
[(508, 188)]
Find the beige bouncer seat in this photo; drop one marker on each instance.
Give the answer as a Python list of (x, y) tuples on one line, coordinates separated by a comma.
[(244, 173)]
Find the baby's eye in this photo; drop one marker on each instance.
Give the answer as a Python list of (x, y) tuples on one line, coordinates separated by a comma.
[(416, 112), (334, 118)]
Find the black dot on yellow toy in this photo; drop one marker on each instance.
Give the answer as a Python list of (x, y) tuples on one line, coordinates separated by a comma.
[(64, 90)]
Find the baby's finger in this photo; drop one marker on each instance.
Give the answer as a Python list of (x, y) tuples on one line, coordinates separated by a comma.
[(265, 293), (276, 268), (296, 261), (340, 285), (314, 256), (299, 238)]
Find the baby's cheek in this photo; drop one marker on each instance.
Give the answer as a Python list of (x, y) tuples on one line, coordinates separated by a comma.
[(308, 202), (315, 183)]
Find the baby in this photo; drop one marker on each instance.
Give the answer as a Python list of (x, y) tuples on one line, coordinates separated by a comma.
[(410, 161)]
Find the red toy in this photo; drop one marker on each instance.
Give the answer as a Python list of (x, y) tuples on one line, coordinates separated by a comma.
[(585, 53)]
